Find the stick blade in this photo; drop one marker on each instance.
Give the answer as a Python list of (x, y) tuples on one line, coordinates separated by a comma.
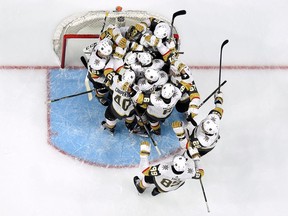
[(178, 13), (224, 43)]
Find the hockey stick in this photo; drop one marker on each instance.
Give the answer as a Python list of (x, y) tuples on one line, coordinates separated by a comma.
[(146, 129), (105, 18), (84, 62), (178, 13), (69, 96), (87, 82), (204, 194), (220, 67), (223, 83), (189, 118)]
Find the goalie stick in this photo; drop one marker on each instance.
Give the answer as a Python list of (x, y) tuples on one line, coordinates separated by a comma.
[(87, 82)]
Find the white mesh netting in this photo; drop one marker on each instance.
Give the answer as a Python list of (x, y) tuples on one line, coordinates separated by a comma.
[(91, 23)]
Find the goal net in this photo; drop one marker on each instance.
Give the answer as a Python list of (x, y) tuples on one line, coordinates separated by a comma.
[(78, 31)]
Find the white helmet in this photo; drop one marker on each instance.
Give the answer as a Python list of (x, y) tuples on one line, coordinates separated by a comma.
[(167, 91), (128, 77), (162, 30), (179, 163), (130, 58), (104, 47), (209, 127), (144, 58), (151, 75)]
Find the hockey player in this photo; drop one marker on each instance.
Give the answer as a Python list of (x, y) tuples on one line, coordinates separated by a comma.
[(98, 59), (157, 39), (122, 96), (154, 35), (138, 62), (152, 80), (120, 44), (203, 137), (161, 105), (181, 76), (165, 177)]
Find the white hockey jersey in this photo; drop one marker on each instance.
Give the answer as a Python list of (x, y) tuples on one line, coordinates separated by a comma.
[(146, 87), (187, 78), (158, 108), (198, 139), (96, 66), (121, 99), (164, 177)]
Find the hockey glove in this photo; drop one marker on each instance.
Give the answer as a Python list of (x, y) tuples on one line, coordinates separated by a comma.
[(177, 128), (218, 99), (145, 149), (199, 174)]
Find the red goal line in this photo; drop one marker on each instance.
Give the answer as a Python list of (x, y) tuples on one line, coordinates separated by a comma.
[(195, 67)]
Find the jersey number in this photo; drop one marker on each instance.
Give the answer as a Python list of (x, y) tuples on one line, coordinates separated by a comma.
[(124, 103), (169, 183)]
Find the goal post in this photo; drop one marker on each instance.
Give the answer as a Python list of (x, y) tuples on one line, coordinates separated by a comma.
[(76, 32), (66, 37)]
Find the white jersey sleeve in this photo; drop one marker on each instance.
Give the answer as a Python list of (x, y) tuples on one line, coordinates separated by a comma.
[(166, 180), (158, 108)]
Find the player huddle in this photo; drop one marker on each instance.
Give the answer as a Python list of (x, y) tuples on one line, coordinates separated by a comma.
[(137, 74)]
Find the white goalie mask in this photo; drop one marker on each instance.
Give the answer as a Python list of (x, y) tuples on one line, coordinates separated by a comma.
[(209, 127), (162, 30), (179, 163), (104, 47), (167, 91), (151, 75), (144, 58), (128, 77), (130, 58)]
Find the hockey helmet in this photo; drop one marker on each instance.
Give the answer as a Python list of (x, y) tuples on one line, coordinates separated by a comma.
[(162, 30), (151, 75), (104, 47), (167, 91), (209, 127), (179, 163), (130, 58), (128, 77), (144, 58)]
